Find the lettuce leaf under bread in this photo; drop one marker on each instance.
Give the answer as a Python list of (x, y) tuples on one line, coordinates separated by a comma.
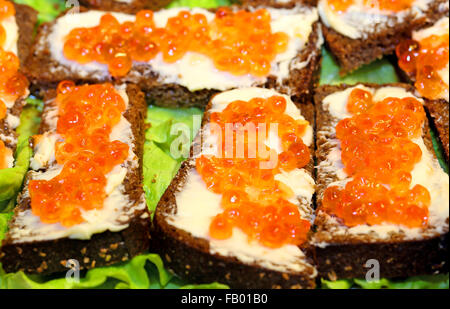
[(11, 178)]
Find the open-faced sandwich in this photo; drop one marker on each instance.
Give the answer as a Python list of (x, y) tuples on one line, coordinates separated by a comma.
[(183, 56), (240, 210), (83, 198), (381, 193)]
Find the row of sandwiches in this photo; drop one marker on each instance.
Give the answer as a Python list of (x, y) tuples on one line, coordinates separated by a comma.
[(334, 199)]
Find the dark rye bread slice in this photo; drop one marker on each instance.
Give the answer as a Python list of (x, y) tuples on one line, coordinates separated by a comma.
[(189, 257), (45, 72), (107, 248), (353, 53), (438, 110), (26, 18), (344, 256), (276, 3), (133, 6)]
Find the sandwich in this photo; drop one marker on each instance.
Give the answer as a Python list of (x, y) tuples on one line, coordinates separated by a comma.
[(126, 6), (16, 24), (180, 57), (358, 32), (83, 199), (382, 197), (240, 210), (424, 59)]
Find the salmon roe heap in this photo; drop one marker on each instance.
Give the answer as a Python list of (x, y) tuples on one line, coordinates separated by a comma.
[(423, 60), (379, 155), (384, 5), (237, 42), (252, 199), (86, 116)]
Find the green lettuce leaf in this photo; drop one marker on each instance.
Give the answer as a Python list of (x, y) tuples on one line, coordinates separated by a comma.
[(419, 282), (379, 72), (156, 180), (159, 165), (11, 178), (4, 218)]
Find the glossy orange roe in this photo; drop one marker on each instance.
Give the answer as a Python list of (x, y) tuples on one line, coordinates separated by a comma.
[(86, 117), (423, 60), (385, 5), (377, 152), (252, 199), (238, 42)]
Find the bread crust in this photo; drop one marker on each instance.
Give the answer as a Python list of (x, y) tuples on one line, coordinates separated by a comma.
[(45, 72), (26, 18), (189, 257), (107, 248), (132, 7), (353, 53), (344, 256)]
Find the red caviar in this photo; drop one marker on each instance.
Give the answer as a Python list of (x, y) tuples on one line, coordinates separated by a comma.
[(6, 10), (423, 60), (86, 117), (385, 5), (377, 152), (252, 199), (238, 42)]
